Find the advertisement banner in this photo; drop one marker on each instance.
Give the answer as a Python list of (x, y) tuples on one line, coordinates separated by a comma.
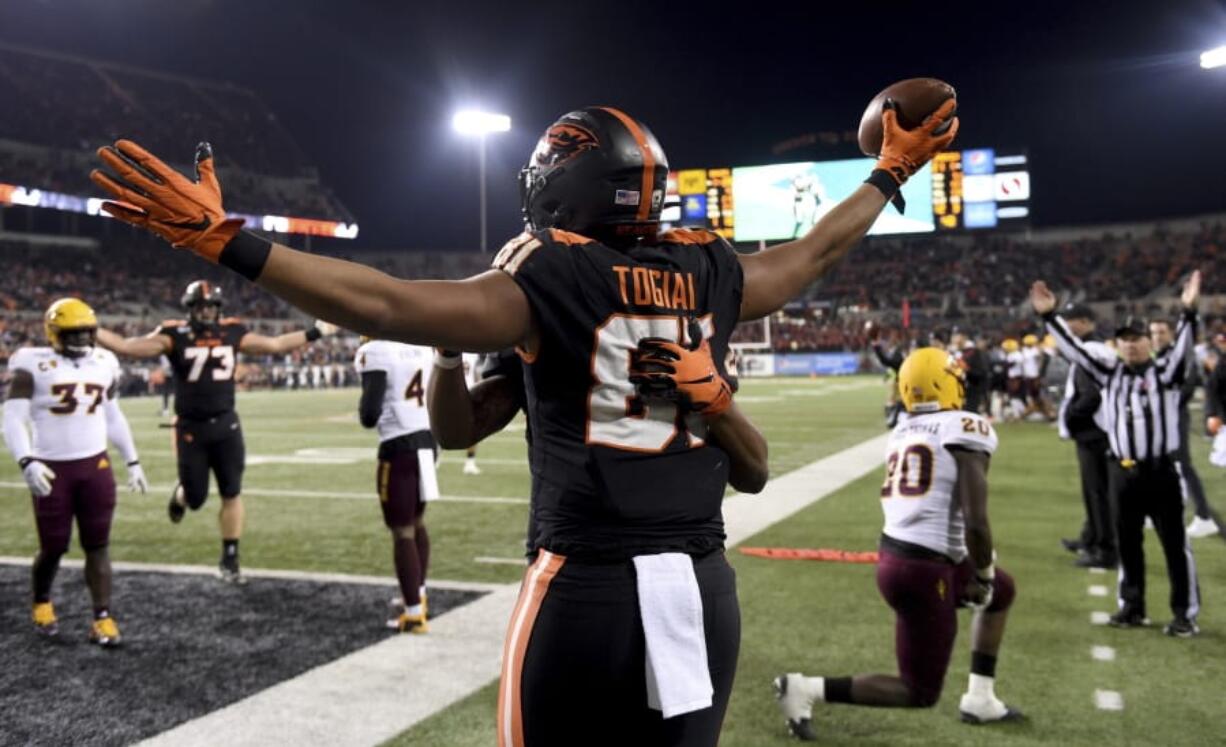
[(816, 364)]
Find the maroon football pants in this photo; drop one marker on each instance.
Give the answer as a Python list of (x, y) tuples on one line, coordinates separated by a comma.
[(82, 488)]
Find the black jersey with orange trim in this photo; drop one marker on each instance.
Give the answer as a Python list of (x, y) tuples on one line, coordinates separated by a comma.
[(614, 476), (204, 361)]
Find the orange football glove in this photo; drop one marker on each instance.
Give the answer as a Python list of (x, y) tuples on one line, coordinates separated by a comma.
[(154, 196), (904, 152), (663, 369)]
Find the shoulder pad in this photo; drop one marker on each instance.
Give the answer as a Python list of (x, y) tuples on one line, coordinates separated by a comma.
[(689, 236), (558, 236), (230, 321), (174, 322), (968, 430)]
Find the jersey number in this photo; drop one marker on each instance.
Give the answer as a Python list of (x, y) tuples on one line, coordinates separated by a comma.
[(67, 393), (908, 472), (615, 415), (415, 391), (223, 371)]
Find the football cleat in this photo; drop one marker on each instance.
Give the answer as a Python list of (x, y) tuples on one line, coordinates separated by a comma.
[(104, 632), (1128, 618), (980, 710), (1181, 627), (395, 608), (45, 621), (1202, 528), (229, 572), (412, 623), (175, 509), (797, 707), (471, 468)]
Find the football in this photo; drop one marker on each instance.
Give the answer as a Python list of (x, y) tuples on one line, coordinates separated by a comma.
[(915, 98)]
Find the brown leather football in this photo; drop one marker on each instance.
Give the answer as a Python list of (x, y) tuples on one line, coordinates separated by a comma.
[(915, 99)]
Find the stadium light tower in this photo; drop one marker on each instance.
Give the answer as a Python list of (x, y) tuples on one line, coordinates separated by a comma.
[(481, 124), (1212, 58)]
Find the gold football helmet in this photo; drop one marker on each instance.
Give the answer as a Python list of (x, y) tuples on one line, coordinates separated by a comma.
[(71, 327), (1030, 340), (931, 380), (1009, 345)]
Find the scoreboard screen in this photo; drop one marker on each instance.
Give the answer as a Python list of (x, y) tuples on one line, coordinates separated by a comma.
[(700, 198), (980, 188)]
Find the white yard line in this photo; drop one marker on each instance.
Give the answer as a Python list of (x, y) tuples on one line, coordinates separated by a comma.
[(277, 493), (209, 570), (1100, 618), (489, 560), (374, 694), (1102, 653), (1096, 590), (1108, 700)]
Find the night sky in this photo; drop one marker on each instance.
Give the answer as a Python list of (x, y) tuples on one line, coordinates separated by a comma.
[(1120, 121)]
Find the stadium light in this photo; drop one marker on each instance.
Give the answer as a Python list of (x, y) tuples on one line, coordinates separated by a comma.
[(481, 124), (1212, 58)]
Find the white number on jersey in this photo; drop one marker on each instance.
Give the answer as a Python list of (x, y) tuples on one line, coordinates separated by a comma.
[(615, 415), (200, 355)]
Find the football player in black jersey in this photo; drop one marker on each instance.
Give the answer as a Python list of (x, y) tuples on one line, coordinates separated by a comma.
[(203, 353), (626, 489)]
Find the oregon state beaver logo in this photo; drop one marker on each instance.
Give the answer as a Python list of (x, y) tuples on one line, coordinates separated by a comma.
[(563, 142)]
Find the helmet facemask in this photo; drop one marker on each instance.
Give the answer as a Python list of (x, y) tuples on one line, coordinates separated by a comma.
[(77, 343)]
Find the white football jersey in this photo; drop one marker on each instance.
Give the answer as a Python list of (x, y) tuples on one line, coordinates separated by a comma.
[(408, 370), (1032, 362), (918, 494), (68, 409), (1014, 360)]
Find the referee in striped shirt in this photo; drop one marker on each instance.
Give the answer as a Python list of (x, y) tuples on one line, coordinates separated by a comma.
[(1141, 395)]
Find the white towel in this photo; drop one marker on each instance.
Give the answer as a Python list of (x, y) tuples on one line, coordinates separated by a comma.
[(1217, 457), (427, 475), (678, 680)]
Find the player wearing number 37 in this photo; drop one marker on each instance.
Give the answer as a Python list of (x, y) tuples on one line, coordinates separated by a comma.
[(629, 605), (936, 556), (203, 352), (68, 393)]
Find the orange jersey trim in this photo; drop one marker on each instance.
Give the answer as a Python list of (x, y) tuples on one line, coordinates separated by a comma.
[(649, 161)]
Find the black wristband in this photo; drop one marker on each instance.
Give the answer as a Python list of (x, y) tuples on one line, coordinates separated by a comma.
[(885, 182), (24, 461), (134, 462), (313, 334), (246, 254)]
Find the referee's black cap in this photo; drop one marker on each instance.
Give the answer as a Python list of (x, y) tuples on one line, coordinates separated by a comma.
[(1078, 311), (1132, 326)]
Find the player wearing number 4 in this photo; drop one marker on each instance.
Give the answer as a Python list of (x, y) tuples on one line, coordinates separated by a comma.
[(936, 556), (203, 353), (67, 392), (394, 381)]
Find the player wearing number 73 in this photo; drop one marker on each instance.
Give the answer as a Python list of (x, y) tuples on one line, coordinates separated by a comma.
[(629, 604), (203, 353), (936, 556)]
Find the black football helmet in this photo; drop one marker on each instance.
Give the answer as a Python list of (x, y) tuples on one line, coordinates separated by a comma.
[(201, 293), (595, 171)]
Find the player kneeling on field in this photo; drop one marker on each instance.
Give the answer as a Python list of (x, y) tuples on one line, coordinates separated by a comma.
[(394, 380), (68, 393), (936, 555)]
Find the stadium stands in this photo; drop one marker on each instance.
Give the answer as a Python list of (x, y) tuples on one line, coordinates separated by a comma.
[(71, 106)]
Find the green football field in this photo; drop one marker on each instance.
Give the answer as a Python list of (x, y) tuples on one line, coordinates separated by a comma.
[(309, 491)]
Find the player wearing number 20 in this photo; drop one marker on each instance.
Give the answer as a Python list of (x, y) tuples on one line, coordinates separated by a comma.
[(67, 392), (203, 353), (936, 555)]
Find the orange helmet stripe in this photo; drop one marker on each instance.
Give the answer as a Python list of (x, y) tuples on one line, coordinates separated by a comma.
[(649, 160)]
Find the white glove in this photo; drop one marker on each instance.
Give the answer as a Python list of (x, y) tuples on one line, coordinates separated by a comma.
[(38, 477), (325, 328), (136, 478)]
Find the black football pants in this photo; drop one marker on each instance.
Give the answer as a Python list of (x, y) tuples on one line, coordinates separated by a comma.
[(1152, 489), (1098, 532), (574, 662)]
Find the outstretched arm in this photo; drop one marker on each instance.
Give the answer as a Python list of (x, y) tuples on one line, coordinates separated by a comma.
[(1069, 344), (486, 312), (256, 344), (776, 275), (149, 346)]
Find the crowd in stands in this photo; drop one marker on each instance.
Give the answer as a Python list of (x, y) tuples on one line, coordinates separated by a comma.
[(70, 107)]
